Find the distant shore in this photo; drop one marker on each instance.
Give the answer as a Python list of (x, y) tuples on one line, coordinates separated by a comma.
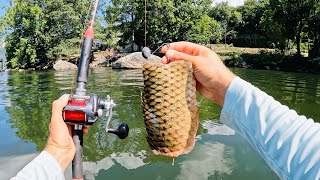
[(252, 58), (268, 59)]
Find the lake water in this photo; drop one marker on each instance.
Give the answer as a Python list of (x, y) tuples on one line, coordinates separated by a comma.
[(25, 108)]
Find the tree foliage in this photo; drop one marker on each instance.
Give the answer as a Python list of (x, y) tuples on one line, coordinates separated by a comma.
[(39, 30), (229, 19), (251, 32), (291, 17), (166, 21), (205, 30)]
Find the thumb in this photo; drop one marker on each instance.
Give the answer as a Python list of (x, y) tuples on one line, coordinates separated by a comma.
[(173, 55), (57, 107)]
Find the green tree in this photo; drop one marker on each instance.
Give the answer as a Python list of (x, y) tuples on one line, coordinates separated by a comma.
[(64, 26), (276, 33), (39, 30), (228, 17), (27, 24), (167, 21), (292, 16), (314, 31), (205, 30), (251, 32)]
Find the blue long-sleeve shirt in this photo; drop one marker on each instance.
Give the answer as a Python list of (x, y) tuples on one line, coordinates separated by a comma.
[(43, 167), (289, 143)]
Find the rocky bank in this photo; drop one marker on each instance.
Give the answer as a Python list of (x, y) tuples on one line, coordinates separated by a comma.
[(134, 61), (117, 61)]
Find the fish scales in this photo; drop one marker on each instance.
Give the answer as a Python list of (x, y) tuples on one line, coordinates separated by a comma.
[(170, 107)]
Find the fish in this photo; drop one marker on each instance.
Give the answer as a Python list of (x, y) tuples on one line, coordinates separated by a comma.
[(170, 108)]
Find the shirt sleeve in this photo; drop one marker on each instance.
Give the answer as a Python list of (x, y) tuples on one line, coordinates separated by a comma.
[(289, 143), (44, 166)]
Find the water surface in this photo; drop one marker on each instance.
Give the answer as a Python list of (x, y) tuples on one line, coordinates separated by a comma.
[(25, 108)]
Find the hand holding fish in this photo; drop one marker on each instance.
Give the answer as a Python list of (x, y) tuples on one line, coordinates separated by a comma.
[(213, 77)]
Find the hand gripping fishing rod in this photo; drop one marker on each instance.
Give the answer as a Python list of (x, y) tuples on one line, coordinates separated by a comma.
[(85, 110)]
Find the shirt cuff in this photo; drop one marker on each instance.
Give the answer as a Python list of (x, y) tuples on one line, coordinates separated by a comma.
[(46, 160)]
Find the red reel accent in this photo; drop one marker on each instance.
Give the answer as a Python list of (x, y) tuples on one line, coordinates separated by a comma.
[(75, 116)]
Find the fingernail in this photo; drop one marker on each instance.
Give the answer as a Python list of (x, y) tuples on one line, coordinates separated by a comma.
[(169, 54)]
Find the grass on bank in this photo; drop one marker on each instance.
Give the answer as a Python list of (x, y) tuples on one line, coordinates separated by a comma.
[(263, 58)]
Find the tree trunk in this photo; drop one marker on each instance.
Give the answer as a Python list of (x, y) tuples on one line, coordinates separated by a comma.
[(225, 36), (298, 38), (132, 19), (315, 48)]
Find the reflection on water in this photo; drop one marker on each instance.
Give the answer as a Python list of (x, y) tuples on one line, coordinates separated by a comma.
[(215, 128), (10, 164), (25, 106), (209, 159), (128, 161)]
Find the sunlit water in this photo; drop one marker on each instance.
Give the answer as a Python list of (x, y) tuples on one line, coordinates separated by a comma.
[(25, 105)]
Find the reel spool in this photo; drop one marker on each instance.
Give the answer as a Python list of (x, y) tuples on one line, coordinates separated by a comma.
[(85, 110)]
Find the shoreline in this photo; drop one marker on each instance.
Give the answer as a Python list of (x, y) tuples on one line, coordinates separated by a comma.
[(278, 63), (248, 58), (265, 59)]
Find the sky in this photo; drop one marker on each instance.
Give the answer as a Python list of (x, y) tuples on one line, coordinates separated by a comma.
[(231, 2), (3, 3)]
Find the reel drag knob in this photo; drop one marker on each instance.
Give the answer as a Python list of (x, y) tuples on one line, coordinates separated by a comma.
[(121, 131)]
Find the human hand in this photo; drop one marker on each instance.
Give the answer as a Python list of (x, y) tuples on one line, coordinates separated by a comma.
[(213, 77), (60, 144)]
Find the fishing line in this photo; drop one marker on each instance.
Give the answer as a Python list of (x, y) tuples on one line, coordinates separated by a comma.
[(200, 101)]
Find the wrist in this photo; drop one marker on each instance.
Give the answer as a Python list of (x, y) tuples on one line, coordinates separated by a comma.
[(62, 155), (221, 86)]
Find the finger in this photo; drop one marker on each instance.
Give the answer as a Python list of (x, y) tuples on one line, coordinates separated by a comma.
[(70, 129), (173, 55), (85, 129), (57, 108), (198, 86), (185, 47)]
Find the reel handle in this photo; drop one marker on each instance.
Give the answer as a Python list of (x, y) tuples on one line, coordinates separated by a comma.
[(121, 131)]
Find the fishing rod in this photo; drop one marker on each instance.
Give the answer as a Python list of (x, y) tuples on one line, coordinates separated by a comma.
[(85, 109)]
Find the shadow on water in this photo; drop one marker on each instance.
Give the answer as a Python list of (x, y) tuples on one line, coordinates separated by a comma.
[(26, 99)]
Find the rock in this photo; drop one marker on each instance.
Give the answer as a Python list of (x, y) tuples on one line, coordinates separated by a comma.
[(267, 67), (105, 61), (134, 61), (243, 65), (45, 68), (97, 61), (229, 63), (63, 65)]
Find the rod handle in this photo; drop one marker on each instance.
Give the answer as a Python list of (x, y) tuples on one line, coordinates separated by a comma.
[(77, 163)]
